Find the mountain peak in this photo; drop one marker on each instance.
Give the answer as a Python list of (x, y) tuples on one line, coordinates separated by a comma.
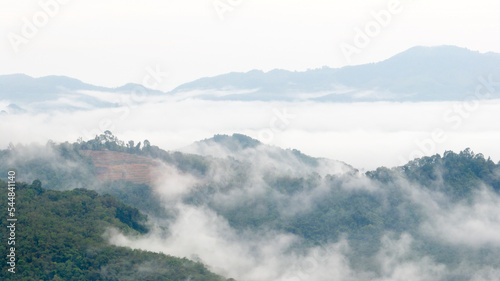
[(444, 53), (26, 89), (442, 49), (234, 142), (442, 73)]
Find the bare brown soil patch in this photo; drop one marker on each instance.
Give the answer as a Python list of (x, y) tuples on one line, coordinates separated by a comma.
[(112, 166)]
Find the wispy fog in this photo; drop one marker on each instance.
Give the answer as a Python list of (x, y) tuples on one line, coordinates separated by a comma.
[(364, 135), (476, 225), (256, 254), (261, 213)]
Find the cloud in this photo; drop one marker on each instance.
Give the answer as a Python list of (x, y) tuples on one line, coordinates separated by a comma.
[(263, 253), (33, 161), (475, 224), (395, 258), (364, 135), (174, 183), (201, 235), (199, 44), (202, 232)]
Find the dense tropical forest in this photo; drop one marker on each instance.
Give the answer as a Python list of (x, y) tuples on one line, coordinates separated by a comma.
[(60, 236), (257, 191)]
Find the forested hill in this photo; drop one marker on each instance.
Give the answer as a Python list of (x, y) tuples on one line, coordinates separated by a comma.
[(243, 193), (60, 236)]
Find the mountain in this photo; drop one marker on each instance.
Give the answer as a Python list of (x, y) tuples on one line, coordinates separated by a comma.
[(14, 109), (418, 74), (59, 92), (259, 212), (444, 73), (62, 235), (245, 149), (20, 87)]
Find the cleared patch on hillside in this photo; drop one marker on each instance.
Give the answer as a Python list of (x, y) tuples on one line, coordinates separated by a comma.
[(113, 166)]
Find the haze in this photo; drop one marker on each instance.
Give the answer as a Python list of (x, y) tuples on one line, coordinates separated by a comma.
[(111, 43)]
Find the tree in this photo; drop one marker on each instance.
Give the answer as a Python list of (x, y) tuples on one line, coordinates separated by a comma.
[(130, 144)]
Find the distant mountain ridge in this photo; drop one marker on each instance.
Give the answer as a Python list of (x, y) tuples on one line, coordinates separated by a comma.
[(24, 88), (444, 73), (52, 93), (418, 74)]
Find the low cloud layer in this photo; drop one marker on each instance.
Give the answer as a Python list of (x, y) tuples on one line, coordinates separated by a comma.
[(263, 253), (235, 216), (365, 135), (198, 233), (475, 224)]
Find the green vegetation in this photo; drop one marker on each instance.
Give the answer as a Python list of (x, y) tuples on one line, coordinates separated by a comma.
[(141, 196), (364, 216), (65, 167), (360, 210), (194, 164), (59, 236), (319, 209), (457, 175), (58, 166)]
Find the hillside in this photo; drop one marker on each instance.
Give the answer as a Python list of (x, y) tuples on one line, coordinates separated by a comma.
[(120, 166), (239, 206), (61, 236)]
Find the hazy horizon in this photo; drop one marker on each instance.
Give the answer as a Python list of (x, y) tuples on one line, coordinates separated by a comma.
[(207, 38), (238, 208)]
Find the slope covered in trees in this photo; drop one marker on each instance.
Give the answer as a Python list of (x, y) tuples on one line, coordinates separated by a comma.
[(258, 189), (60, 236)]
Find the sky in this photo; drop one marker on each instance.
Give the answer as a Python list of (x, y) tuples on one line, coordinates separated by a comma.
[(114, 42), (111, 43), (364, 135)]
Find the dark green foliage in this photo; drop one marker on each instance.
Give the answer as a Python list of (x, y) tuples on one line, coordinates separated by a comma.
[(305, 158), (261, 201), (140, 196), (185, 162), (361, 215), (195, 164), (57, 166), (235, 142), (59, 236), (457, 175), (291, 185), (64, 166), (347, 207)]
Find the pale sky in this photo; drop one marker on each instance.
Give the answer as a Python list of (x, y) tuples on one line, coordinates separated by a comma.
[(111, 42)]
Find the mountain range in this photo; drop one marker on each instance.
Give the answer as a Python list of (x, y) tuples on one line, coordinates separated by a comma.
[(240, 208), (418, 74), (443, 73)]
